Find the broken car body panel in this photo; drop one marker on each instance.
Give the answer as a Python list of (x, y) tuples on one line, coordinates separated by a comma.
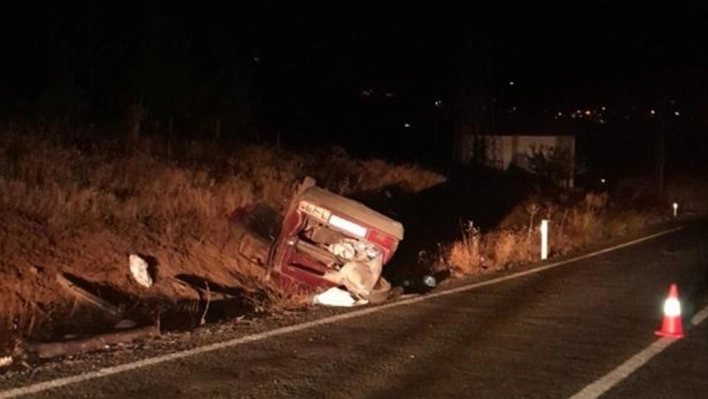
[(323, 241)]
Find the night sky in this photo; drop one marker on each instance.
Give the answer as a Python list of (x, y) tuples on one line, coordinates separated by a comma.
[(360, 74)]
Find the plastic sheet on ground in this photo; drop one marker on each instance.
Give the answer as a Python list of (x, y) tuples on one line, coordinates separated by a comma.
[(336, 296)]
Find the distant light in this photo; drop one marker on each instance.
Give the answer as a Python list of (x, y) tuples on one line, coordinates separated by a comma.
[(511, 83), (588, 112), (560, 114), (677, 113), (390, 95), (603, 181), (257, 59), (653, 112), (406, 125), (603, 108), (438, 103)]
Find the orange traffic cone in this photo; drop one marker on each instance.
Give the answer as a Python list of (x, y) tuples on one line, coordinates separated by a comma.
[(672, 325)]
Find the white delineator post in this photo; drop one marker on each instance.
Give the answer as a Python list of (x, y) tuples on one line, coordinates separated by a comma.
[(675, 209), (544, 239)]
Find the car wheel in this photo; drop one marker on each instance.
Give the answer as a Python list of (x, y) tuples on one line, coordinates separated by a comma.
[(381, 292)]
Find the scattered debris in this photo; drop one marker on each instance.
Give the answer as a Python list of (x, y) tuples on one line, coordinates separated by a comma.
[(5, 361), (66, 348), (336, 296), (87, 297), (359, 274), (139, 270)]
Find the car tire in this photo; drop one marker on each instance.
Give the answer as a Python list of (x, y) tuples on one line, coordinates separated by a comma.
[(381, 292)]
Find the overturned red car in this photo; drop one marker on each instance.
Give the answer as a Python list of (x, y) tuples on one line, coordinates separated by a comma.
[(324, 240)]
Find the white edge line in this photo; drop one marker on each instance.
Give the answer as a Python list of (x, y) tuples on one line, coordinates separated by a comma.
[(614, 377), (112, 370)]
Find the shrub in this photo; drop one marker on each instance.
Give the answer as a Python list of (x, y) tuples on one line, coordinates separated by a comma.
[(517, 240)]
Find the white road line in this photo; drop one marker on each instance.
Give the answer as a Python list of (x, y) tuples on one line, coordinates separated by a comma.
[(614, 377), (60, 382)]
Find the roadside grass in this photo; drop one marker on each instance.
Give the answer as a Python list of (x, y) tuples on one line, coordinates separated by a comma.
[(573, 225), (272, 298), (82, 205), (59, 184)]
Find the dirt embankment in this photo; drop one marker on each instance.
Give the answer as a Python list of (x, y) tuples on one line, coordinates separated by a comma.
[(78, 214)]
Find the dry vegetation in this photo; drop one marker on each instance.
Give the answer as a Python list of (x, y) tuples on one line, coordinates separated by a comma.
[(80, 206), (81, 209), (572, 226)]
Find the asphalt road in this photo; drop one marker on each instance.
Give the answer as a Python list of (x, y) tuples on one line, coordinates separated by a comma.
[(544, 335)]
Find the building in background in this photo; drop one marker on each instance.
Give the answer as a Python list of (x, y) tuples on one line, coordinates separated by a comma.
[(503, 151)]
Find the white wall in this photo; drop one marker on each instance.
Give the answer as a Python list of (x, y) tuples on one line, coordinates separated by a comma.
[(508, 150)]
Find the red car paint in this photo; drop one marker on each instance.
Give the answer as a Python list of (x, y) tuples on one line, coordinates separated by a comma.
[(298, 256)]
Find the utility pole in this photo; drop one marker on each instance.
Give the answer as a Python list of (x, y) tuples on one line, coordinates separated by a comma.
[(475, 118)]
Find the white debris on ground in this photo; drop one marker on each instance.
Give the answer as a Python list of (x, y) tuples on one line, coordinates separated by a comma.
[(337, 297), (5, 361), (139, 270)]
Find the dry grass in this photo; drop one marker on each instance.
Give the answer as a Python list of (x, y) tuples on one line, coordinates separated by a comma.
[(517, 241), (272, 298), (65, 209), (65, 186)]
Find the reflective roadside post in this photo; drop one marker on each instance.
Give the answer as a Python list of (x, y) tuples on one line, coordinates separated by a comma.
[(544, 239), (675, 209)]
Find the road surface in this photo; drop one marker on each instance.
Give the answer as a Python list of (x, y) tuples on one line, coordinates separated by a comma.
[(583, 328)]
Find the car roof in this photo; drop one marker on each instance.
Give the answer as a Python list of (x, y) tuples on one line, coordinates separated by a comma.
[(348, 207)]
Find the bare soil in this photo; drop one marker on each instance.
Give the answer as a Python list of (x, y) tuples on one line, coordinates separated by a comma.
[(96, 259)]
